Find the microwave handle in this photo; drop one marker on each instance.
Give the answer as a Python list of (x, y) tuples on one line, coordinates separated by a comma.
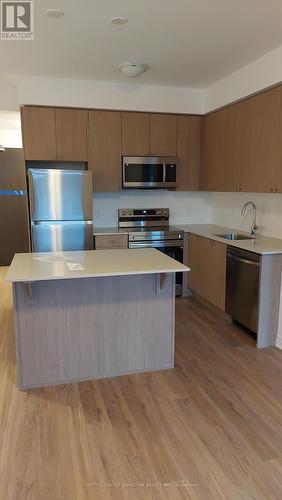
[(164, 172)]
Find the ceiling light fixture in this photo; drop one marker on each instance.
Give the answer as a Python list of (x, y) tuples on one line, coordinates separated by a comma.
[(55, 12), (119, 20), (132, 69)]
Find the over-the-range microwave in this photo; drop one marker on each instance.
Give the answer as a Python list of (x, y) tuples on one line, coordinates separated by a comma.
[(146, 172)]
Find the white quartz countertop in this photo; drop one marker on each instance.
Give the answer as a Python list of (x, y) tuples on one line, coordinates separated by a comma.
[(262, 245), (30, 267)]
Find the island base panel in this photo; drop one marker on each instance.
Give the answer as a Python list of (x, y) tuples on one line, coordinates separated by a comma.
[(81, 329)]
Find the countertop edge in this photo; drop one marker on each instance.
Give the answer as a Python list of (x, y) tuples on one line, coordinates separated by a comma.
[(100, 275)]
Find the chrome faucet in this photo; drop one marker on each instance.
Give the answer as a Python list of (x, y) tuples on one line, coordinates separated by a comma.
[(254, 226)]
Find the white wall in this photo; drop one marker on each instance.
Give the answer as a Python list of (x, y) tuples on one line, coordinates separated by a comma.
[(8, 95), (10, 129), (226, 208), (108, 95), (258, 75), (185, 208)]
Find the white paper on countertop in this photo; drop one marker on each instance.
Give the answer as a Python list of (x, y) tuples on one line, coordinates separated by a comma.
[(74, 266), (50, 259)]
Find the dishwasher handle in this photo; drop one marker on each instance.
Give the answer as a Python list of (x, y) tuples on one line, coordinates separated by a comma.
[(241, 259)]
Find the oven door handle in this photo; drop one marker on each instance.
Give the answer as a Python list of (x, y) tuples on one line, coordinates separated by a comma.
[(156, 244)]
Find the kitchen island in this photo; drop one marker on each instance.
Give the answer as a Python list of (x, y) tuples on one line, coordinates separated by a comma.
[(92, 314)]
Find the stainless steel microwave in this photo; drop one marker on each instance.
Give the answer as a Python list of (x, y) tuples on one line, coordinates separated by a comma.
[(148, 172)]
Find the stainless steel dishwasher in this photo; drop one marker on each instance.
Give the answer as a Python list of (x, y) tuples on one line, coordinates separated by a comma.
[(242, 287)]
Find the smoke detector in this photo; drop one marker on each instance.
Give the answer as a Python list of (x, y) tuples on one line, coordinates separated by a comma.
[(132, 69), (55, 12), (119, 20)]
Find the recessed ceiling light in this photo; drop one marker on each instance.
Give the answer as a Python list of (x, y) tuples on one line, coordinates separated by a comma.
[(119, 20), (132, 69), (55, 12)]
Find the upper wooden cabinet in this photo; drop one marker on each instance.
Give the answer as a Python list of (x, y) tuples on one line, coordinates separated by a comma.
[(217, 151), (163, 134), (257, 143), (207, 261), (241, 146), (54, 133), (188, 152), (105, 150), (39, 133), (71, 132), (135, 134)]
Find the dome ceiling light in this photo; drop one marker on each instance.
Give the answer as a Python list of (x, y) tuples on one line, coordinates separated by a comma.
[(132, 69)]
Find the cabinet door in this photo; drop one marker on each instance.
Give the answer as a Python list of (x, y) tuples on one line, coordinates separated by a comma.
[(217, 151), (195, 279), (207, 260), (105, 150), (163, 131), (256, 142), (217, 276), (71, 132), (39, 133), (135, 134), (188, 152)]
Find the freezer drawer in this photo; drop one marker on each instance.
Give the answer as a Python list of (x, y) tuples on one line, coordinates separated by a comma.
[(62, 236), (242, 287), (60, 195)]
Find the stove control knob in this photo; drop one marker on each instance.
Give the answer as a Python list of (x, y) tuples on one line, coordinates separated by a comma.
[(123, 213)]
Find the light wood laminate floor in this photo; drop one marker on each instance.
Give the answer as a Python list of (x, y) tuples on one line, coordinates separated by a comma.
[(209, 429)]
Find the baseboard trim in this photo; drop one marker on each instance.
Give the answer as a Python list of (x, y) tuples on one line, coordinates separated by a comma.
[(279, 342)]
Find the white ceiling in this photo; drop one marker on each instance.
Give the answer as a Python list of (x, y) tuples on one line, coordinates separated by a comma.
[(190, 43)]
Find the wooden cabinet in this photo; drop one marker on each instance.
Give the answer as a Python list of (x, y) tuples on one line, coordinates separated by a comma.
[(54, 133), (217, 151), (207, 261), (257, 143), (71, 133), (39, 133), (241, 146), (135, 134), (188, 152), (163, 133), (105, 150), (111, 241)]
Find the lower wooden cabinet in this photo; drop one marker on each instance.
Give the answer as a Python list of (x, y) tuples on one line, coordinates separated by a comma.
[(111, 241), (207, 261)]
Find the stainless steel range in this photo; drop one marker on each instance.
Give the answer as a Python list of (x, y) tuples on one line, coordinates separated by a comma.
[(149, 228)]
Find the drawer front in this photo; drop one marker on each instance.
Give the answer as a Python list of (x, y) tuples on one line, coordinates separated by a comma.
[(110, 241)]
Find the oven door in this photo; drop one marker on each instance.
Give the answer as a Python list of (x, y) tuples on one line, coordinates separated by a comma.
[(172, 248), (148, 172)]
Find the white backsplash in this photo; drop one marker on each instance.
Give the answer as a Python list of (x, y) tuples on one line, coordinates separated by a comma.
[(185, 208), (226, 211)]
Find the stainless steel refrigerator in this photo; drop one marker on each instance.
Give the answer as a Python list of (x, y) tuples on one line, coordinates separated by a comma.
[(61, 209)]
